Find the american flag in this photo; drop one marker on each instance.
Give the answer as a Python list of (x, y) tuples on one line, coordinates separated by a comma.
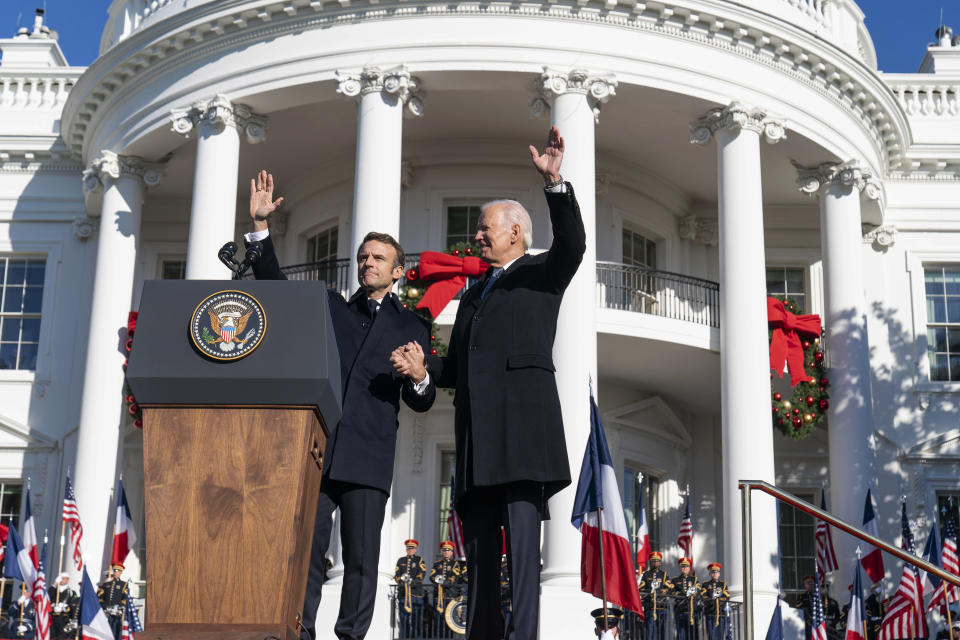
[(685, 537), (455, 526), (131, 621), (946, 593), (826, 556), (41, 600), (71, 516), (905, 617), (818, 623)]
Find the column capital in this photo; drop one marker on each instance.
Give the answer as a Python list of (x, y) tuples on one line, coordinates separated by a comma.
[(114, 166), (84, 227), (597, 87), (882, 237), (396, 82), (811, 180), (701, 230), (219, 112), (737, 116)]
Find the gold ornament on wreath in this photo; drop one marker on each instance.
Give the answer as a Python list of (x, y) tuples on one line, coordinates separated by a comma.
[(795, 343)]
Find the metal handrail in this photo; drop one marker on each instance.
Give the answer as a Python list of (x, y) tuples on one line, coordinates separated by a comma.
[(746, 486)]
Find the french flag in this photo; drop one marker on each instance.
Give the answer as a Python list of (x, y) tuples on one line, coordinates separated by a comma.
[(931, 553), (17, 562), (124, 537), (93, 620), (30, 540), (643, 531), (872, 560), (598, 493), (857, 614)]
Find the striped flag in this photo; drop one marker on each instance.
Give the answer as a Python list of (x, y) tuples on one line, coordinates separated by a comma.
[(826, 556), (4, 532), (455, 526), (643, 531), (857, 613), (775, 630), (93, 621), (597, 490), (131, 621), (18, 564), (124, 536), (818, 623), (685, 537), (872, 559), (71, 516), (905, 616), (41, 599), (30, 540), (931, 553), (945, 592)]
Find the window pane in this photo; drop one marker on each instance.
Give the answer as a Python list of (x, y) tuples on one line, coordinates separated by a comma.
[(30, 330), (794, 280), (787, 546), (651, 254), (33, 300), (775, 282), (8, 356), (13, 300), (936, 310), (334, 233), (937, 338), (955, 367), (11, 330), (938, 367), (35, 270), (954, 340), (3, 269), (933, 281), (28, 357), (627, 249), (312, 249), (951, 280), (16, 271), (953, 309)]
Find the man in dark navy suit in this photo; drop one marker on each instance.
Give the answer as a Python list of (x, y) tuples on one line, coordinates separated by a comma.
[(511, 451), (358, 463)]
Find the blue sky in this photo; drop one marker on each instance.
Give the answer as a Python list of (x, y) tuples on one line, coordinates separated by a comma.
[(900, 35)]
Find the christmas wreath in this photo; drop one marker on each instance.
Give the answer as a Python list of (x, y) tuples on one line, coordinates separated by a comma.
[(795, 341), (133, 409)]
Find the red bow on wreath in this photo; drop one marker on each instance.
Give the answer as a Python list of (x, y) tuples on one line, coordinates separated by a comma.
[(785, 344), (449, 274)]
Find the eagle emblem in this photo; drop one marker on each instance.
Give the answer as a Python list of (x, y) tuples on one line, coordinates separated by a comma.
[(227, 325)]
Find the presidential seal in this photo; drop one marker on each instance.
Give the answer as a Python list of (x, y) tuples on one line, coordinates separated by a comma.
[(228, 325)]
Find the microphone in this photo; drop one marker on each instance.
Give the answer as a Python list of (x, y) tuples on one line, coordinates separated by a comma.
[(254, 251), (226, 254)]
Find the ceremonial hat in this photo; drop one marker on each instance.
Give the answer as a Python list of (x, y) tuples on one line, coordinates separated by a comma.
[(411, 543), (116, 565), (805, 578), (446, 544), (685, 562), (656, 555), (613, 617), (714, 566)]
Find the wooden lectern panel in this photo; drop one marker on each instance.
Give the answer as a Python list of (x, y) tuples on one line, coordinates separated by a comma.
[(230, 501)]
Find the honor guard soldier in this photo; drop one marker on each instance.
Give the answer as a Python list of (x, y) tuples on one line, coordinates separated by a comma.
[(112, 595), (875, 611), (686, 600), (445, 576), (655, 590), (606, 626), (409, 575), (715, 598), (64, 602)]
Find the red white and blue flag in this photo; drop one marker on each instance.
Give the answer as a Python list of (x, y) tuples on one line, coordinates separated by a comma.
[(818, 623), (872, 559), (945, 592), (71, 516), (455, 526), (597, 490), (18, 564), (30, 540), (905, 617), (685, 537), (643, 531), (131, 621), (826, 556), (931, 553), (41, 599), (93, 621), (857, 613), (124, 536)]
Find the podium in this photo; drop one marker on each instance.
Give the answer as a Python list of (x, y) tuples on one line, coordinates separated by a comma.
[(237, 404)]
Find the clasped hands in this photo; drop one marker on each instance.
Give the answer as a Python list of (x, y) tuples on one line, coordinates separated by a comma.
[(409, 361)]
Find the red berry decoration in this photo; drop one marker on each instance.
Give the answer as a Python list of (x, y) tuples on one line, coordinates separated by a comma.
[(468, 251), (824, 405), (433, 338), (797, 422), (413, 274), (796, 412), (133, 409), (138, 423), (824, 383), (433, 352), (818, 357), (806, 344), (778, 396), (774, 409), (456, 252), (780, 422), (809, 400), (130, 399)]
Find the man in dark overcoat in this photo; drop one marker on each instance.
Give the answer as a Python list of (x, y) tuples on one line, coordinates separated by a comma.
[(358, 462), (511, 452)]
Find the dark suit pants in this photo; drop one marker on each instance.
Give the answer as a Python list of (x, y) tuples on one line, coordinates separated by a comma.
[(686, 628), (717, 630), (361, 519), (654, 628), (483, 511)]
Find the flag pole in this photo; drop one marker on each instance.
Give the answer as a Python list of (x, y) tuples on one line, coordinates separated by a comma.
[(603, 569)]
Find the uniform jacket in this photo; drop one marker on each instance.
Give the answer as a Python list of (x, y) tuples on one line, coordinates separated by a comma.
[(655, 581), (507, 411), (409, 574), (362, 446), (682, 585)]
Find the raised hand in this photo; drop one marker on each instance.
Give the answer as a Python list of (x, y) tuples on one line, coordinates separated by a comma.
[(262, 203), (409, 361), (548, 163)]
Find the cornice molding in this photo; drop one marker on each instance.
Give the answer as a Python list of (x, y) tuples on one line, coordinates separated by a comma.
[(211, 28)]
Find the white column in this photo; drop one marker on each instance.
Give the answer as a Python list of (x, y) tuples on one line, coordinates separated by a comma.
[(217, 124), (747, 434), (381, 97), (574, 99), (101, 410), (850, 416)]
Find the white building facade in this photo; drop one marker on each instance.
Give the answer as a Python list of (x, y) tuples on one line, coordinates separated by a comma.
[(813, 175)]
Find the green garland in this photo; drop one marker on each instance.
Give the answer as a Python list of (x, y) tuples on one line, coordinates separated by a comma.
[(412, 289), (797, 416)]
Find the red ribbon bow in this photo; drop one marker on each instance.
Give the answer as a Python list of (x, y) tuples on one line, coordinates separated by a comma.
[(785, 344), (449, 275)]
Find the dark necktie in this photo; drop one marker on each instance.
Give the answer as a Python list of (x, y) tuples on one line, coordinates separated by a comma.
[(497, 272), (374, 306)]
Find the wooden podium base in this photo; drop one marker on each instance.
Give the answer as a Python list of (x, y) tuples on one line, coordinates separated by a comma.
[(230, 497)]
